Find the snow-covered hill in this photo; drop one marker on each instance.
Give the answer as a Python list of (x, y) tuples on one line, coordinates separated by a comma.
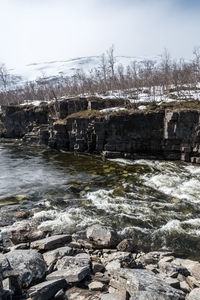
[(53, 69)]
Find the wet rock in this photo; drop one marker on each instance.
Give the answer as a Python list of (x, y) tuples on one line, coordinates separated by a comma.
[(28, 264), (143, 295), (96, 286), (126, 245), (52, 242), (71, 275), (46, 290), (133, 280), (24, 233), (54, 255), (102, 237), (194, 295)]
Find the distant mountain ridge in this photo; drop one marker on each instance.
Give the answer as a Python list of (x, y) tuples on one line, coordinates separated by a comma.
[(33, 71)]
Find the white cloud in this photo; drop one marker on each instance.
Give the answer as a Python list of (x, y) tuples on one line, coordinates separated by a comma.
[(61, 29)]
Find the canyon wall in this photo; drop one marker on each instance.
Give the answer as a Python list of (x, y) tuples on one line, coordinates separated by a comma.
[(74, 125)]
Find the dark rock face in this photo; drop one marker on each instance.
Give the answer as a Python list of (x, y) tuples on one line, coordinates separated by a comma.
[(154, 135), (158, 135), (18, 120)]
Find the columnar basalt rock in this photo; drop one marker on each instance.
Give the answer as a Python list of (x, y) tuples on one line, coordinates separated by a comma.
[(73, 125)]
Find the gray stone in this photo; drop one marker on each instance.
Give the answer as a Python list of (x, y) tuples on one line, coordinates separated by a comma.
[(97, 267), (173, 282), (112, 296), (192, 266), (71, 275), (5, 265), (73, 261), (76, 293), (51, 242), (113, 265), (184, 287), (172, 269), (102, 237), (96, 286), (142, 280), (1, 285), (143, 295), (125, 259), (51, 256), (193, 283), (46, 290), (24, 233), (28, 264), (194, 294)]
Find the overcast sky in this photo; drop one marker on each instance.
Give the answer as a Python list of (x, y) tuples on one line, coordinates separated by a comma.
[(43, 30)]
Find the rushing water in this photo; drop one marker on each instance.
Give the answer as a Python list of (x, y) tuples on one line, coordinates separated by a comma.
[(157, 203)]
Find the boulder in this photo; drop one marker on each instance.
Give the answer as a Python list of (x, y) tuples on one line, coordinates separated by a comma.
[(102, 237), (194, 294), (74, 261), (28, 264), (46, 290), (52, 242), (23, 233), (70, 274), (133, 280), (51, 256)]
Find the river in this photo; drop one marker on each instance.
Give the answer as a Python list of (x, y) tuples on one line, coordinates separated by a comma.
[(157, 203)]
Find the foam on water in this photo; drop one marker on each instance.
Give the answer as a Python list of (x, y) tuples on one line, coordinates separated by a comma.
[(155, 202)]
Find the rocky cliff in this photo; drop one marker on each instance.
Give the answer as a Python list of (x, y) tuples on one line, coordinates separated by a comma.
[(79, 125)]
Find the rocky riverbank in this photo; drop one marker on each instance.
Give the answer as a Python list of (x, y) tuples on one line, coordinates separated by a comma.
[(95, 264), (87, 125)]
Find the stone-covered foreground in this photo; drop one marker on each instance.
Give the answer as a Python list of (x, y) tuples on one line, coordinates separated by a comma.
[(92, 265)]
